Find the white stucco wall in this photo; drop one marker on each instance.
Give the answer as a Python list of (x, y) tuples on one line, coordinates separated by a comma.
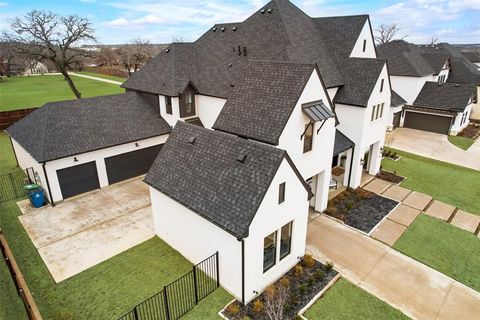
[(409, 87), (457, 127), (390, 116), (25, 160), (319, 159), (97, 156), (196, 238), (357, 51), (208, 109), (332, 92), (175, 116)]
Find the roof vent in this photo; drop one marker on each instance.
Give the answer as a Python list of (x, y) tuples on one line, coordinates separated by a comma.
[(230, 65), (192, 140), (262, 11), (223, 29), (457, 85), (232, 85), (167, 50), (214, 29), (269, 10), (242, 157), (234, 29)]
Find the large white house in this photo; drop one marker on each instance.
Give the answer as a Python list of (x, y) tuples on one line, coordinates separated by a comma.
[(282, 98)]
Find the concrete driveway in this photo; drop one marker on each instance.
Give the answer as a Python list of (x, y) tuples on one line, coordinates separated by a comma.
[(417, 290), (83, 231), (435, 146)]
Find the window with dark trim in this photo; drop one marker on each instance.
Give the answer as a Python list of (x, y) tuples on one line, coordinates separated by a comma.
[(381, 110), (168, 105), (381, 85), (308, 138), (373, 113), (187, 103), (364, 45), (269, 251), (285, 240), (281, 193)]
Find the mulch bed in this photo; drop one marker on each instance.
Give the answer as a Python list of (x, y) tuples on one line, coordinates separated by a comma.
[(360, 208), (338, 171), (390, 155), (389, 176), (302, 288), (472, 131)]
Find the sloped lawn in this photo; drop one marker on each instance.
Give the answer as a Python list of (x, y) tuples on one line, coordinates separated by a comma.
[(7, 157), (443, 247), (345, 301), (461, 142), (458, 186), (108, 290), (34, 91)]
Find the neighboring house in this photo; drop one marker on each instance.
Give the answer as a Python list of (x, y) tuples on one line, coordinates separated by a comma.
[(441, 107), (35, 67), (82, 145), (473, 57), (213, 191), (396, 115), (282, 97)]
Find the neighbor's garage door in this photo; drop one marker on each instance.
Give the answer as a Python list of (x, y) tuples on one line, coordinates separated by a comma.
[(427, 122), (128, 165), (78, 179)]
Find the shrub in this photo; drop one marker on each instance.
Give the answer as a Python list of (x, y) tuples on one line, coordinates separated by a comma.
[(329, 265), (331, 211), (319, 275), (257, 306), (364, 194), (298, 270), (302, 289), (232, 309), (310, 281), (308, 261), (285, 282), (246, 318), (293, 299)]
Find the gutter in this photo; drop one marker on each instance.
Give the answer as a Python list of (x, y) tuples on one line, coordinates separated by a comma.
[(48, 185), (243, 271), (351, 166)]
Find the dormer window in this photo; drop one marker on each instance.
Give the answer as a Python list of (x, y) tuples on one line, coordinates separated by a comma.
[(168, 105), (364, 45), (308, 138), (187, 103)]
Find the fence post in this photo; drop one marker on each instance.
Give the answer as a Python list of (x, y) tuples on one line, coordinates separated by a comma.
[(218, 269), (195, 283), (167, 309)]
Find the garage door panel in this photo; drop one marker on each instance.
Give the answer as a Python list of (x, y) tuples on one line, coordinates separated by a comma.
[(132, 164), (78, 179), (427, 122)]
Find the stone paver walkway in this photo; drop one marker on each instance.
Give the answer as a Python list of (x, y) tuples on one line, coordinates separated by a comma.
[(440, 210), (408, 285)]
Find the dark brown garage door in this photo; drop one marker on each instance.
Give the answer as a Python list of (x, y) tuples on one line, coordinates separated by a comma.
[(78, 179), (427, 122), (396, 119), (128, 165)]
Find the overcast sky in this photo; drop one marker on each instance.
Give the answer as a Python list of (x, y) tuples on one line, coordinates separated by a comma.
[(119, 21)]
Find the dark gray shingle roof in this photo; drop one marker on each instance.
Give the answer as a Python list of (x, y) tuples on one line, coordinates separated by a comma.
[(342, 143), (396, 100), (445, 96), (260, 105), (66, 128), (472, 56), (208, 178)]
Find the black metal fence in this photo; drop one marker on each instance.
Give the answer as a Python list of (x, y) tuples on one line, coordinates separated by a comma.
[(180, 296), (12, 184)]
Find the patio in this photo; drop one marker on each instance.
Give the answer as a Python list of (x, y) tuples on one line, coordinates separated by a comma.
[(83, 231)]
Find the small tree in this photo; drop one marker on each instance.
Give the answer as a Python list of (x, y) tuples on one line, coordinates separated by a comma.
[(135, 54), (48, 36), (387, 33), (276, 298)]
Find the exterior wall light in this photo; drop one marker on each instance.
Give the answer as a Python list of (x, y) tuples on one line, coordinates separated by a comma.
[(137, 145), (75, 159)]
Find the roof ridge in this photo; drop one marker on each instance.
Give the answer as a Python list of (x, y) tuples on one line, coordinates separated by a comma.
[(45, 130)]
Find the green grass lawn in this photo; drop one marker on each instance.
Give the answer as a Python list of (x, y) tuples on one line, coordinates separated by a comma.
[(346, 301), (461, 142), (446, 182), (101, 75), (107, 290), (443, 247), (7, 157), (11, 306), (27, 92)]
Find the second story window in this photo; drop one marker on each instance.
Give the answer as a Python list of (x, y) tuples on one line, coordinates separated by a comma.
[(168, 105), (281, 193), (377, 112), (187, 103), (308, 138), (381, 85), (364, 45)]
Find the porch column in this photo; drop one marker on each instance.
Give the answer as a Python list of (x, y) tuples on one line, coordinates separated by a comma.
[(321, 194), (376, 159), (357, 168), (348, 164)]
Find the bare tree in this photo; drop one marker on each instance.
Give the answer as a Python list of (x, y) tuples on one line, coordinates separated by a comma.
[(48, 36), (276, 298), (136, 54), (107, 57), (387, 33), (177, 39), (433, 41)]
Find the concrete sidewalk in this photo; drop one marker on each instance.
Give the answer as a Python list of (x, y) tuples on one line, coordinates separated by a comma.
[(417, 290), (95, 78)]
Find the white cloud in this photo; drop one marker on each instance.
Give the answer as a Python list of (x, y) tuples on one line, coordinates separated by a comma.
[(120, 22)]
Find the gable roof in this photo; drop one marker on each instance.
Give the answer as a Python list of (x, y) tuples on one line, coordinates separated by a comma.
[(445, 96), (209, 177), (260, 105), (67, 128), (407, 59), (342, 143), (472, 56), (396, 100)]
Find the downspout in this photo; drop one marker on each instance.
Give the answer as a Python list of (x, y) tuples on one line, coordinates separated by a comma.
[(48, 185), (243, 271), (351, 166)]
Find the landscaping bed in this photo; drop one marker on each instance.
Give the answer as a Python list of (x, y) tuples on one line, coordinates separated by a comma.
[(290, 294), (389, 176), (472, 131), (360, 208), (387, 153)]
